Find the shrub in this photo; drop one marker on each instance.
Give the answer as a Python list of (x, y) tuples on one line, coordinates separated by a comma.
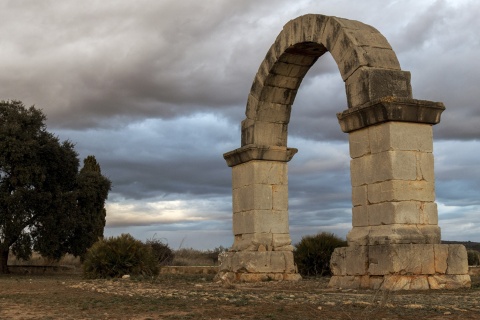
[(118, 256), (162, 251), (312, 254), (473, 257)]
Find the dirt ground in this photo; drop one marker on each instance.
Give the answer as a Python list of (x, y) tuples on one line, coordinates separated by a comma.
[(68, 296)]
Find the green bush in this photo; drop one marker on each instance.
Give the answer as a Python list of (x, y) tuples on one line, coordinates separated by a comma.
[(162, 251), (117, 256), (312, 254), (473, 257)]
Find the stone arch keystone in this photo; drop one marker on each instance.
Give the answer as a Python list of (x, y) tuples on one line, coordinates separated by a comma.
[(394, 242)]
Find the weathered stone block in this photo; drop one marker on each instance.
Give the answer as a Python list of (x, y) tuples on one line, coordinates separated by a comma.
[(338, 264), (356, 260), (280, 197), (359, 143), (252, 197), (398, 234), (260, 221), (359, 216), (457, 261), (359, 195), (429, 213), (259, 172), (262, 262), (368, 84), (383, 166), (404, 212), (401, 136), (283, 81), (442, 281), (252, 241), (358, 236), (402, 259), (267, 111), (281, 240), (263, 133), (298, 59), (440, 258), (425, 164), (400, 190)]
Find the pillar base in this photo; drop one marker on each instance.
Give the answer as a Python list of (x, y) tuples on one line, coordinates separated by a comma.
[(401, 282), (256, 266), (400, 267)]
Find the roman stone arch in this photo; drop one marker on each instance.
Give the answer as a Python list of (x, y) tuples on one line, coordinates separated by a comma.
[(394, 242)]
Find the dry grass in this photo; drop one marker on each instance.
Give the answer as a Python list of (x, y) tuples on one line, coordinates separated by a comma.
[(37, 260), (192, 257)]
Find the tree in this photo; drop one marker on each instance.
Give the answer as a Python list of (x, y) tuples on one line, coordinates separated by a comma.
[(41, 193)]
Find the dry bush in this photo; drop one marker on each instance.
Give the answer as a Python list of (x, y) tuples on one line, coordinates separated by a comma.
[(193, 257)]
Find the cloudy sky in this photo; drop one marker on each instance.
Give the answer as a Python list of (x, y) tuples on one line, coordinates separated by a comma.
[(156, 91)]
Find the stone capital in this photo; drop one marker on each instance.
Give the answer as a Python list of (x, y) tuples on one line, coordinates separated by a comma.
[(254, 152), (390, 109)]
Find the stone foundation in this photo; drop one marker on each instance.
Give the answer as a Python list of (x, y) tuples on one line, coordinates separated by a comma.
[(254, 266), (400, 267)]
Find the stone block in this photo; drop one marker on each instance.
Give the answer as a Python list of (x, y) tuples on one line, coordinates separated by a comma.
[(457, 262), (425, 164), (289, 70), (429, 213), (267, 111), (440, 258), (252, 197), (360, 170), (402, 282), (281, 240), (280, 197), (401, 259), (359, 216), (396, 234), (298, 59), (383, 166), (442, 281), (384, 213), (262, 262), (359, 195), (264, 133), (356, 260), (359, 143), (406, 136), (259, 172), (252, 241), (283, 81), (368, 84), (358, 236), (401, 190), (260, 221), (338, 264), (357, 57), (431, 233), (277, 95)]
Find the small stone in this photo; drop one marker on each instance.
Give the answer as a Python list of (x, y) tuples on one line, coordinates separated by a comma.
[(126, 276)]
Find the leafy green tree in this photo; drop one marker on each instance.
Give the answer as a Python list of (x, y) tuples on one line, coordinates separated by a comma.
[(40, 188)]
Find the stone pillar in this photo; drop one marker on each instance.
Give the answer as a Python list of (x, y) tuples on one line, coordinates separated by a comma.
[(395, 239), (262, 247)]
